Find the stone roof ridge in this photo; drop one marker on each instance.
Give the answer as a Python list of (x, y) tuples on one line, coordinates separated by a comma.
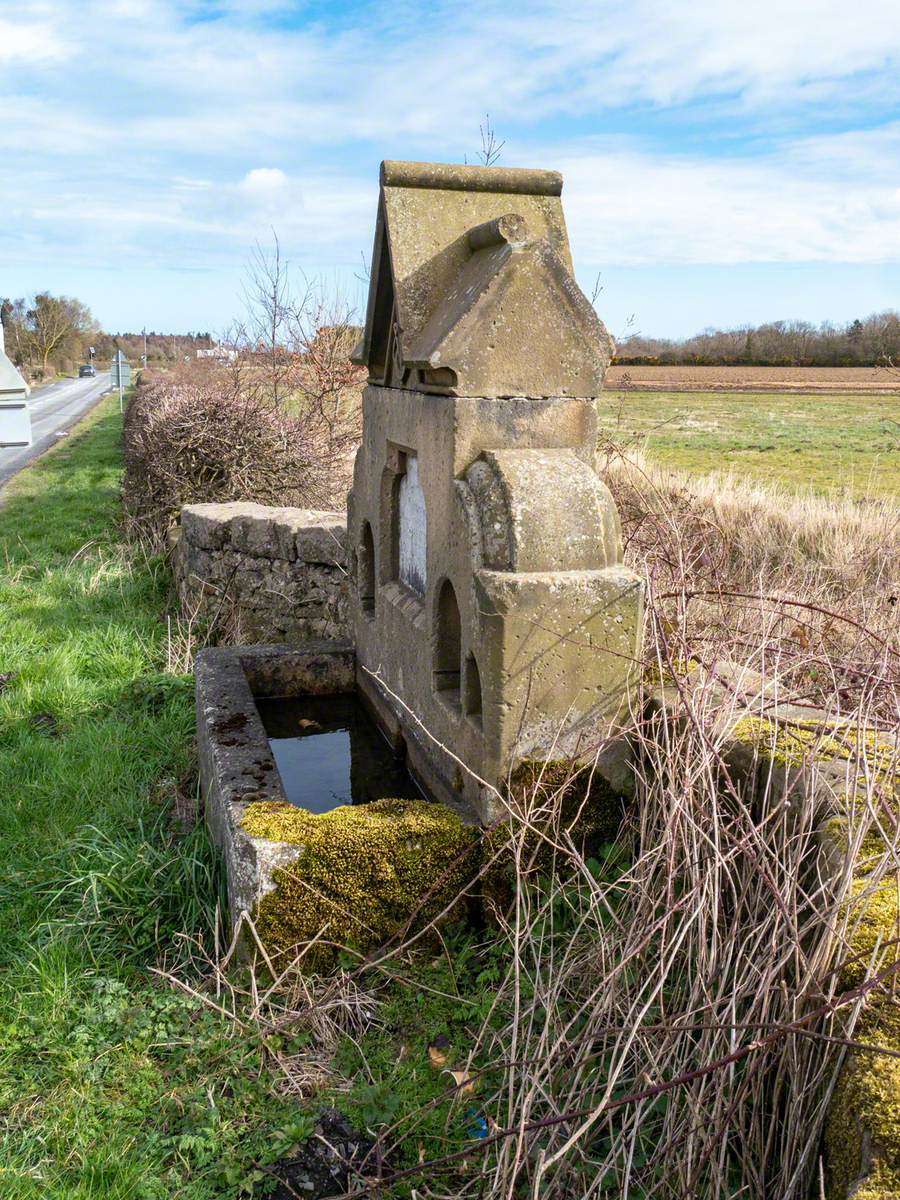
[(466, 178), (472, 290)]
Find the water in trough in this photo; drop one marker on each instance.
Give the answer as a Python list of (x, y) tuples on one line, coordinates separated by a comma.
[(329, 752)]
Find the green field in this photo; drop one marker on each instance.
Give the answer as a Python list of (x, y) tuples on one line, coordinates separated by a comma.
[(847, 443)]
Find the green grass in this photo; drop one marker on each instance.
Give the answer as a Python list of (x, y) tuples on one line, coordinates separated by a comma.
[(846, 443), (111, 1086)]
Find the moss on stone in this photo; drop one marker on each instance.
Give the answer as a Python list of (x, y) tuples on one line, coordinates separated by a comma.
[(586, 800), (589, 808), (862, 1134), (362, 873), (871, 848), (790, 744), (876, 923), (663, 676)]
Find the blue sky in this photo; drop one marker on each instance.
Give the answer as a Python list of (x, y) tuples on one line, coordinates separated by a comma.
[(724, 162)]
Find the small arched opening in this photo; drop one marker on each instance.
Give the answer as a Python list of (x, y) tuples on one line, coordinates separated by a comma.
[(366, 569), (447, 645)]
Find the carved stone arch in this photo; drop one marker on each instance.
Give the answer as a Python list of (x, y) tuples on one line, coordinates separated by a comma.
[(543, 510), (365, 575), (447, 644)]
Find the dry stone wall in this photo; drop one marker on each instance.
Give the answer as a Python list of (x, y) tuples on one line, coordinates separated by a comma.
[(264, 574)]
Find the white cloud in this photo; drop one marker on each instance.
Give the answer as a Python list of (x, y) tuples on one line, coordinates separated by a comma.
[(263, 180), (34, 43), (628, 207)]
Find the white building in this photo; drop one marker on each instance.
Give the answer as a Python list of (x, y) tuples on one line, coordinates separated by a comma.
[(15, 418)]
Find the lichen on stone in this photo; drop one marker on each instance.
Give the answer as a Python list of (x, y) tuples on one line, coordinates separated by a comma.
[(362, 873), (790, 744)]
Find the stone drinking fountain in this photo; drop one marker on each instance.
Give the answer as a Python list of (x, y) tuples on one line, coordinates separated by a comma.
[(492, 624)]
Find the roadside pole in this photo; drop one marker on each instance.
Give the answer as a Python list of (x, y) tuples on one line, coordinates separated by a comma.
[(121, 376)]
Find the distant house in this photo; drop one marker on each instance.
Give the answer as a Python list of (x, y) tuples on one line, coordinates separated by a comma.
[(218, 353)]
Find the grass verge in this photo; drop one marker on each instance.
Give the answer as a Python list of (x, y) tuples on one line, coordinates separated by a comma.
[(114, 1086), (110, 1086)]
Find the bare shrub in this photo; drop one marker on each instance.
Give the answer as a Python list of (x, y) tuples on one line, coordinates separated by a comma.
[(202, 436), (672, 1028), (277, 421)]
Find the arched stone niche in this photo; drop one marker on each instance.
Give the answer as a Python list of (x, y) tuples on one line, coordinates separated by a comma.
[(366, 569), (447, 646)]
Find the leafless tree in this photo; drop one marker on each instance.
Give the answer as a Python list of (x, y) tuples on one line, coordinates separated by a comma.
[(55, 323), (490, 147)]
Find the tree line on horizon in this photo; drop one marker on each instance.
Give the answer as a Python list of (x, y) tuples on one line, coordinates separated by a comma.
[(49, 335), (873, 341)]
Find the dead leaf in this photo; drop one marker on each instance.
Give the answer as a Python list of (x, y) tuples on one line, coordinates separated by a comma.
[(463, 1083), (439, 1051)]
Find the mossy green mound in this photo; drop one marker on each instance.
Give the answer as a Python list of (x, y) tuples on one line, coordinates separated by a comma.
[(579, 799), (863, 1130), (363, 872)]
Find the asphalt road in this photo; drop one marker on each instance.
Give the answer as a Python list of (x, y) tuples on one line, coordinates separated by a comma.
[(54, 410)]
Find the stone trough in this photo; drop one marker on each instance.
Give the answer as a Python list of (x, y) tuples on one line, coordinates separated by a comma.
[(351, 874)]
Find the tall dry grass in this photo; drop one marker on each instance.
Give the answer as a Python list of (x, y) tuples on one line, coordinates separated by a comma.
[(804, 588), (673, 1019)]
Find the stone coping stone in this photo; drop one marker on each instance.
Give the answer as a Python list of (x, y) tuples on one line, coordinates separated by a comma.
[(293, 534)]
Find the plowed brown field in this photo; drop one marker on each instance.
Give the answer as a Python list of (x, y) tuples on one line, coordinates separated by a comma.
[(754, 379)]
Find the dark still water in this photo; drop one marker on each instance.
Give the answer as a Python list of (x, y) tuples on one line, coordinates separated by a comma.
[(329, 752)]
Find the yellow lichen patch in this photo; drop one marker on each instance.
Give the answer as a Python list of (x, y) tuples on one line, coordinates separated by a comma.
[(664, 675), (862, 1136), (362, 873), (793, 743), (874, 923)]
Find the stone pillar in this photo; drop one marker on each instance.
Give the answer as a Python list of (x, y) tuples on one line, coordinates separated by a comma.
[(493, 617)]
